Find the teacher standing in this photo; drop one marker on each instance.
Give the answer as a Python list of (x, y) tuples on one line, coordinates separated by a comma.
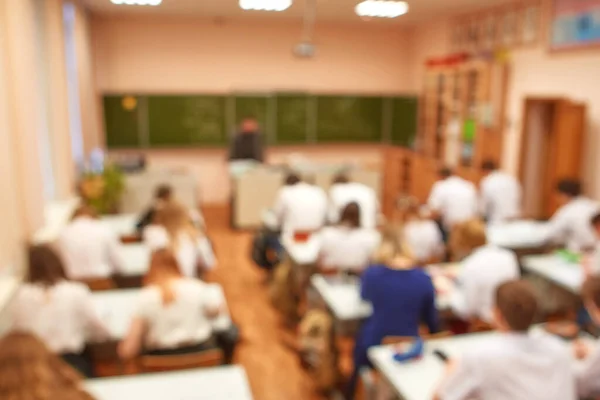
[(247, 143)]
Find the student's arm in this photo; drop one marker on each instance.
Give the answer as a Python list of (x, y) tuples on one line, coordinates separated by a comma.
[(557, 227), (430, 313), (205, 253), (145, 220), (131, 346), (464, 301), (460, 382), (435, 200), (115, 255)]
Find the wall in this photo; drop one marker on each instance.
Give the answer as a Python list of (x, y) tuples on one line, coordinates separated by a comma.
[(195, 55), (534, 72)]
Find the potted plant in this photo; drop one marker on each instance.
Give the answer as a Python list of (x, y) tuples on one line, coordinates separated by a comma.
[(103, 190)]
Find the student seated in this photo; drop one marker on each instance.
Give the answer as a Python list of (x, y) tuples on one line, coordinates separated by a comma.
[(452, 200), (402, 296), (346, 246), (89, 248), (174, 313), (588, 373), (514, 364), (483, 271), (29, 371), (300, 208), (422, 236), (500, 197), (59, 312), (163, 195), (570, 225), (343, 192), (173, 229)]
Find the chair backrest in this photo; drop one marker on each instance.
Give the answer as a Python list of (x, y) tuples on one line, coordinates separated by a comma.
[(478, 325), (208, 358), (100, 284), (408, 339)]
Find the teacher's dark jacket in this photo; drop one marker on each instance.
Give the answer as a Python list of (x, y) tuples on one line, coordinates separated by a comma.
[(247, 146)]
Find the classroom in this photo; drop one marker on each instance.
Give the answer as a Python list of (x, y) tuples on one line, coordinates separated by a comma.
[(300, 199)]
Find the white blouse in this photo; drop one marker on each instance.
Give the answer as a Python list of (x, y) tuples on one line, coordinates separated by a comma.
[(182, 322), (348, 249), (190, 252), (63, 315)]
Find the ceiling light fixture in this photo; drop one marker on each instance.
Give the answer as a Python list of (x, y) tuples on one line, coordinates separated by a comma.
[(381, 9), (137, 2), (265, 5)]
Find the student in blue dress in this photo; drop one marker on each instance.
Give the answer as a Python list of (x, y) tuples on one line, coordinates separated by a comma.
[(402, 296)]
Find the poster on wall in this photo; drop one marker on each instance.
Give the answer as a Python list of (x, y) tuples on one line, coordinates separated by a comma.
[(575, 24)]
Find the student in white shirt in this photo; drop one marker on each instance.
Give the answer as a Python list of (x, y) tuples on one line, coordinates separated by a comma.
[(500, 194), (59, 312), (346, 246), (422, 235), (570, 225), (173, 229), (453, 200), (174, 313), (89, 249), (300, 207), (344, 192), (514, 364), (482, 272)]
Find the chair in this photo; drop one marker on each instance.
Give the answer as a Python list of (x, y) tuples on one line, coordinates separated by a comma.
[(406, 339), (478, 325), (208, 358), (99, 284)]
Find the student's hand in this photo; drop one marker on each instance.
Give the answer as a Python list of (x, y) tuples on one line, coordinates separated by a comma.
[(213, 312), (580, 349), (126, 351)]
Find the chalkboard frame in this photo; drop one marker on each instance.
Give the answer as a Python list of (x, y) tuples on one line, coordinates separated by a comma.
[(269, 128)]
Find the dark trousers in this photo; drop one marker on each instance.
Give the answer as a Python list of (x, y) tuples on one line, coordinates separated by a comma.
[(80, 362)]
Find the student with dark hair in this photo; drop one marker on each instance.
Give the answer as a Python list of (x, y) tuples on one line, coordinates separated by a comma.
[(163, 194), (452, 200), (513, 365), (59, 312), (570, 225), (300, 207), (346, 246), (588, 374), (89, 249), (344, 191), (500, 194)]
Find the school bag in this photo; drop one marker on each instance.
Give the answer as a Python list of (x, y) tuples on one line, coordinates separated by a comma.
[(266, 250)]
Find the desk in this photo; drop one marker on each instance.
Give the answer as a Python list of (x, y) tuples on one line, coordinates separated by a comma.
[(557, 270), (219, 383), (116, 309), (121, 224), (136, 259), (342, 296), (418, 380), (518, 235)]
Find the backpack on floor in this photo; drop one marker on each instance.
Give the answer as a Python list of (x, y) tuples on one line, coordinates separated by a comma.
[(266, 250)]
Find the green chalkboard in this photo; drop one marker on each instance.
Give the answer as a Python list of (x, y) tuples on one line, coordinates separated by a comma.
[(292, 118), (349, 119), (121, 120), (404, 120), (187, 120)]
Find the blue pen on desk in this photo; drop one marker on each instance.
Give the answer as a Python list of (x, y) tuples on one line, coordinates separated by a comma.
[(415, 351)]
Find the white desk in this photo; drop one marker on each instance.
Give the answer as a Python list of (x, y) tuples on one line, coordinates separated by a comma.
[(116, 309), (418, 379), (518, 235), (121, 224), (136, 259), (557, 270), (342, 296), (219, 383), (56, 216)]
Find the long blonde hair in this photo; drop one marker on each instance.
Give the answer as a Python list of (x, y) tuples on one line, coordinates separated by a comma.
[(393, 247), (164, 268), (176, 220), (466, 237), (29, 371)]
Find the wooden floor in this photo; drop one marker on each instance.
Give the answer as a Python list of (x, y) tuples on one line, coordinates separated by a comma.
[(273, 369)]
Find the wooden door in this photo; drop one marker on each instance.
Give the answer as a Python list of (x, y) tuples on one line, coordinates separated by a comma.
[(566, 148)]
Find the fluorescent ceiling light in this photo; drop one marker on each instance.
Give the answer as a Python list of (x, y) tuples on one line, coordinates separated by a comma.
[(265, 5), (381, 8), (137, 2)]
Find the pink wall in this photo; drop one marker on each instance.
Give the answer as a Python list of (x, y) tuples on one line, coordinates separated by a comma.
[(192, 55)]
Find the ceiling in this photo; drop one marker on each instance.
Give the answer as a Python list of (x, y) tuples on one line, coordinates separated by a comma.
[(327, 10)]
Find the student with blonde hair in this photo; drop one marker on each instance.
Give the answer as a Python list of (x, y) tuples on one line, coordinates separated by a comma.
[(59, 312), (485, 268), (174, 313), (402, 296), (346, 246), (173, 229), (29, 371)]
